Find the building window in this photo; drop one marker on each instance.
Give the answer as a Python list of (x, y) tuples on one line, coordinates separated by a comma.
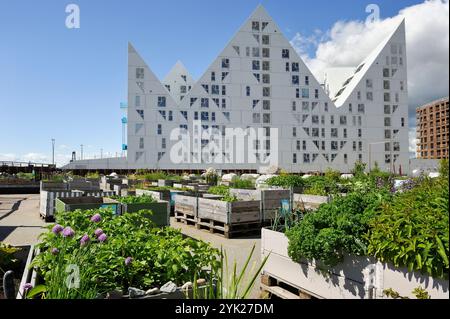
[(387, 158), (138, 127), (295, 67), (224, 103), (306, 158), (225, 63), (387, 97), (386, 72), (205, 116), (387, 147), (350, 108), (247, 91), (316, 93), (255, 25), (215, 89), (295, 80), (140, 73), (343, 120), (306, 80), (297, 93), (361, 108), (387, 121), (315, 119), (369, 96), (141, 143), (386, 84), (315, 132), (266, 118), (326, 107), (266, 65), (224, 90), (159, 129), (396, 147), (255, 65), (266, 105), (354, 146), (294, 132), (305, 93), (285, 53), (387, 134), (266, 78), (369, 84), (205, 102), (256, 118), (305, 106), (294, 158), (334, 145), (334, 132), (141, 114), (266, 91), (387, 109), (265, 39), (345, 159), (266, 53), (403, 122), (196, 116), (170, 116), (161, 101), (345, 133), (359, 133), (255, 52), (332, 119)]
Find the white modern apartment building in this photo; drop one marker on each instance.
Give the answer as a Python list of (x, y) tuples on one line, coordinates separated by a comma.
[(259, 84)]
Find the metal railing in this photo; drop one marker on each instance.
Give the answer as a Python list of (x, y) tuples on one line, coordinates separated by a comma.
[(25, 164)]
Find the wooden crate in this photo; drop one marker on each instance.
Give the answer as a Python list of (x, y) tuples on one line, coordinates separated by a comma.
[(229, 231), (229, 213)]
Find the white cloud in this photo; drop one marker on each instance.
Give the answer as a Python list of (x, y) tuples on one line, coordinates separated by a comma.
[(348, 43), (412, 140)]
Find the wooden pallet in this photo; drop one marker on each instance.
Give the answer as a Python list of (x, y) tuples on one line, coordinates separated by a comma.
[(278, 289), (185, 218), (229, 231)]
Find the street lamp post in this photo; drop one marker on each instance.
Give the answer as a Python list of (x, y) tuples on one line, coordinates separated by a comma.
[(53, 151), (81, 154)]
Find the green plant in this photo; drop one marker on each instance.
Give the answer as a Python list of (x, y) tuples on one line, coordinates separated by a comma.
[(421, 293), (287, 181), (229, 282), (335, 228), (144, 199), (412, 230), (158, 255), (93, 175), (242, 184), (220, 190), (359, 169)]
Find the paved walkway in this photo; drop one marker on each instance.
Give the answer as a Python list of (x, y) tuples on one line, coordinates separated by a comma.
[(20, 224), (237, 249)]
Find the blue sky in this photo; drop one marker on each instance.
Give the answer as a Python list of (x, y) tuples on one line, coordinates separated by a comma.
[(67, 84)]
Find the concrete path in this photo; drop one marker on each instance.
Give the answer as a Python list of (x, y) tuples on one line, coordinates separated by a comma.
[(20, 224), (237, 249)]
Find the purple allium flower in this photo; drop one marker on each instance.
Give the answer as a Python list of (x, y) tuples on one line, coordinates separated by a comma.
[(27, 286), (55, 251), (98, 232), (68, 232), (102, 238), (128, 261), (57, 229), (96, 218), (84, 240)]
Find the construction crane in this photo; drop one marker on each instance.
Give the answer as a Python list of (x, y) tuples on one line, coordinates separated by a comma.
[(124, 108)]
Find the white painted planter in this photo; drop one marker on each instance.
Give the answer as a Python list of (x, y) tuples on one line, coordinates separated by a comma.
[(355, 278)]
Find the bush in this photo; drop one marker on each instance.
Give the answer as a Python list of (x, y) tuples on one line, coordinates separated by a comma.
[(144, 199), (157, 255), (287, 181), (243, 184), (413, 229), (334, 229)]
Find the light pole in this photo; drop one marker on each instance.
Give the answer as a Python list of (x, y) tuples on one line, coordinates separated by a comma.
[(53, 151), (101, 153), (81, 154)]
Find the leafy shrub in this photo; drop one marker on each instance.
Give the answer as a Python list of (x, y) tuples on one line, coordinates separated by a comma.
[(220, 190), (158, 255), (243, 184), (413, 229), (144, 199), (93, 175), (287, 181), (335, 229)]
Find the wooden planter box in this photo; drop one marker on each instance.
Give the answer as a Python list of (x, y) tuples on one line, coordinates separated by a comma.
[(229, 213), (356, 278), (71, 204), (31, 276), (161, 211), (47, 200), (186, 209), (271, 199)]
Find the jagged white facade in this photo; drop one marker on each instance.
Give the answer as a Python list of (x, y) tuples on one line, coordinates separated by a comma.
[(259, 81), (178, 82)]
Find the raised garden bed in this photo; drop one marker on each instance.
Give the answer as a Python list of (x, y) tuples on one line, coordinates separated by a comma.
[(71, 204), (305, 201), (160, 211), (47, 199), (355, 278), (271, 199)]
